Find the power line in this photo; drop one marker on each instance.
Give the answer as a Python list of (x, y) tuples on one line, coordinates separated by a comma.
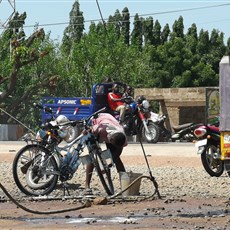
[(141, 15)]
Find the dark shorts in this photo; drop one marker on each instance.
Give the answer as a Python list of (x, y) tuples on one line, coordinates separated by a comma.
[(115, 151)]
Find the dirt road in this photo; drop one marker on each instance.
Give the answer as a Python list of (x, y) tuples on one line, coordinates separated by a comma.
[(190, 198)]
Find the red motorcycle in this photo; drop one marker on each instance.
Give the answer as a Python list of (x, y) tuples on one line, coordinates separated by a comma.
[(208, 146)]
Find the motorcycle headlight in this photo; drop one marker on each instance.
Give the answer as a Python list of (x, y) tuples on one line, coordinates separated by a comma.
[(145, 104)]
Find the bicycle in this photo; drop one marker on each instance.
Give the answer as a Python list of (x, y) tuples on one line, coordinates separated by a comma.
[(37, 168)]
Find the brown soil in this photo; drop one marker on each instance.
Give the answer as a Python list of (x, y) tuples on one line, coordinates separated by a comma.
[(184, 212)]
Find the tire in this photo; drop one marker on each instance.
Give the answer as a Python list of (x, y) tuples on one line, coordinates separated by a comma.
[(227, 166), (28, 174), (154, 135), (73, 133), (103, 172), (211, 161)]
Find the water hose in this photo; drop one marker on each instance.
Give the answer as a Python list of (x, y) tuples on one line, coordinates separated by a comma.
[(131, 184), (85, 205)]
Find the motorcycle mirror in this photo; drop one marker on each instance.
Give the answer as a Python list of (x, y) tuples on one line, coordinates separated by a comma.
[(48, 110)]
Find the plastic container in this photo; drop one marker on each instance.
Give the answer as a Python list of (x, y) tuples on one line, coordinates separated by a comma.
[(126, 178)]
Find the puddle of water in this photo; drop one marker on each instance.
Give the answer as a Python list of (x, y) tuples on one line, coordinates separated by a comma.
[(111, 220)]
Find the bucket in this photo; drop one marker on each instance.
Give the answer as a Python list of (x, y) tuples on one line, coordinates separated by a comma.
[(126, 178)]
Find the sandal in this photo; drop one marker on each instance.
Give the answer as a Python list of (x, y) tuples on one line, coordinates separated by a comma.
[(88, 192)]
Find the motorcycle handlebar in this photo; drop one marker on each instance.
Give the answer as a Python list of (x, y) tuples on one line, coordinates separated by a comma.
[(45, 108), (84, 121)]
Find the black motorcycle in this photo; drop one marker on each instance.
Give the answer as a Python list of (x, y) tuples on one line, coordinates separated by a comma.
[(184, 132), (208, 147)]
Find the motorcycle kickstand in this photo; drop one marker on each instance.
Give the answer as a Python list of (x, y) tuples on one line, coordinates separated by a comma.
[(150, 173)]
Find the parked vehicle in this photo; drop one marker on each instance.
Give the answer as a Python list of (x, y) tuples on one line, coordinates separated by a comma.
[(208, 147), (82, 107), (137, 119), (159, 120), (37, 168), (67, 133), (184, 132)]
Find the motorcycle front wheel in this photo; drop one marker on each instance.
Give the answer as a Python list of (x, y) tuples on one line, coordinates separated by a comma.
[(103, 172), (211, 161), (32, 170), (153, 135)]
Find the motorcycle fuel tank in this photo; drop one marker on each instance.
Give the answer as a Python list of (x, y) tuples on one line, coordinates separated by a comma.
[(133, 106)]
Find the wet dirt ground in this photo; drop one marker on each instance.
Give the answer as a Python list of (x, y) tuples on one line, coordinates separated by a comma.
[(184, 211)]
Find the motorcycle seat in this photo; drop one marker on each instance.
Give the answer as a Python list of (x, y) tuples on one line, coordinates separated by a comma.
[(179, 127)]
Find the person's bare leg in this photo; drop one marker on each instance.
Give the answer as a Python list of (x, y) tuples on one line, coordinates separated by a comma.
[(119, 165), (116, 152), (89, 170)]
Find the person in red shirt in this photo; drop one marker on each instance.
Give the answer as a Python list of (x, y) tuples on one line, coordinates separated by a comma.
[(108, 130), (115, 102)]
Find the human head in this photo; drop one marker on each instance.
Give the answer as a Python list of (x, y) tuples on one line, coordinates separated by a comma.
[(140, 99), (117, 138), (129, 89)]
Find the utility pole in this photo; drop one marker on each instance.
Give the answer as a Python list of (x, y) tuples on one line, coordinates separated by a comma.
[(7, 8)]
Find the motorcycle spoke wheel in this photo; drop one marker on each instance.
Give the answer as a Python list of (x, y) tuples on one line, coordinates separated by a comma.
[(211, 161), (154, 133), (32, 172), (103, 172)]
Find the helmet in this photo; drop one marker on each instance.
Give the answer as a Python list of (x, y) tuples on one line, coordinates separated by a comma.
[(61, 119), (64, 131), (140, 99)]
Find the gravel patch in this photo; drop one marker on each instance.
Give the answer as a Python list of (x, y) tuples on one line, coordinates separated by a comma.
[(173, 181)]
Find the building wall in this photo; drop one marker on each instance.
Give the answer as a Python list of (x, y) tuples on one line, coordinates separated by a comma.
[(183, 105)]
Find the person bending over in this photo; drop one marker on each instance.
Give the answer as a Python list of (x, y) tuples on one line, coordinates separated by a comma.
[(107, 129)]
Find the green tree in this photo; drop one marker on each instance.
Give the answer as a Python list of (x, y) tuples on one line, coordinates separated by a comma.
[(178, 28), (21, 60), (192, 38), (74, 31), (136, 35), (125, 25), (148, 30), (165, 33), (157, 33)]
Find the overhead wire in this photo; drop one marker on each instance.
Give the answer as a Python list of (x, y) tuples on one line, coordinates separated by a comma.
[(132, 16)]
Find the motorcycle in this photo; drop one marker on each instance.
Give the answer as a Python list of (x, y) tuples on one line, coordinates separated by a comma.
[(184, 132), (159, 120), (208, 147), (66, 133), (137, 122)]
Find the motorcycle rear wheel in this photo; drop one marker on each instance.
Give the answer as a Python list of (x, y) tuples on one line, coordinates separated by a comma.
[(154, 135), (213, 165), (29, 174)]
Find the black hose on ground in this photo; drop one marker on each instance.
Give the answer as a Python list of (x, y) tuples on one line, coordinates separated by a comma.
[(85, 205), (131, 184)]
